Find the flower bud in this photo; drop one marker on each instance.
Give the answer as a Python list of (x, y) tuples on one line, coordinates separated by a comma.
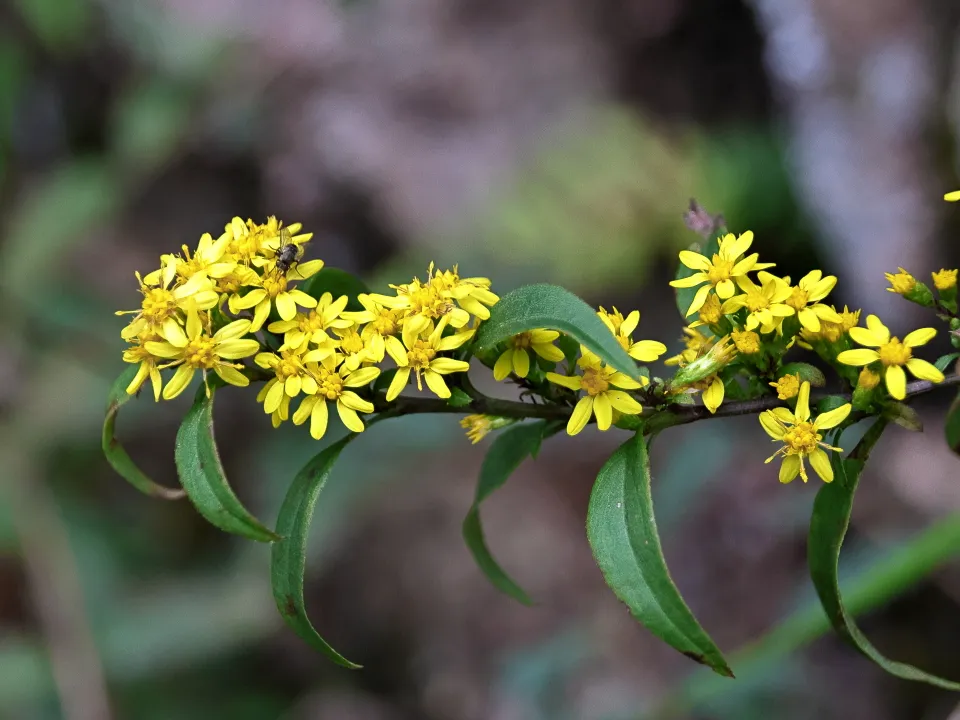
[(703, 367)]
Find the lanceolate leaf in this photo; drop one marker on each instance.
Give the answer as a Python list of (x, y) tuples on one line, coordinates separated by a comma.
[(952, 427), (115, 453), (547, 306), (289, 555), (685, 295), (337, 282), (828, 526), (202, 474), (623, 534), (510, 448)]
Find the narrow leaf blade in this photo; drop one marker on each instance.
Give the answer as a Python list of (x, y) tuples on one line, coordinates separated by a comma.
[(828, 526), (623, 534), (548, 306), (116, 454), (508, 450), (202, 476), (289, 556), (952, 427)]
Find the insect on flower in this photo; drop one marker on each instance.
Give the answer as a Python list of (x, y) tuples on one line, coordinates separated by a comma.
[(289, 253)]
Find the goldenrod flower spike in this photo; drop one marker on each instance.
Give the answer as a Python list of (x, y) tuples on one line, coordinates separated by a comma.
[(801, 437), (516, 359), (604, 388), (720, 271), (892, 354)]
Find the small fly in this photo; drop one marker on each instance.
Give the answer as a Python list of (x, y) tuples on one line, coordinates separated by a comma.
[(289, 254)]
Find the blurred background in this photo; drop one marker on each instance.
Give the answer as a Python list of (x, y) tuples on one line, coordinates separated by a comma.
[(555, 141)]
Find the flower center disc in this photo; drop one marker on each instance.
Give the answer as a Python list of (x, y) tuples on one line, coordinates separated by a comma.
[(593, 382), (894, 353), (801, 439)]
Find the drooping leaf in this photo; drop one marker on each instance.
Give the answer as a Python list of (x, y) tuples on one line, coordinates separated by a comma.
[(623, 534), (337, 282), (548, 306), (709, 249), (288, 557), (116, 454), (510, 448), (202, 476), (828, 526), (952, 427)]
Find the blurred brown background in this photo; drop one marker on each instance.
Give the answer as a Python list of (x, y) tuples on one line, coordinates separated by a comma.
[(537, 141)]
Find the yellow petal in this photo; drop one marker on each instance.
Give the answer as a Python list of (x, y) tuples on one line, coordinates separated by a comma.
[(713, 395), (436, 384), (858, 357), (919, 337), (521, 362), (354, 401), (726, 289), (236, 349), (396, 350), (231, 375), (580, 415), (630, 323), (249, 300), (803, 402), (399, 382), (694, 261), (772, 427), (178, 383), (623, 403), (274, 396), (833, 418), (305, 409), (690, 281), (603, 410), (698, 300), (292, 385), (548, 352), (318, 419), (286, 306), (790, 468), (923, 370), (878, 329), (896, 381), (809, 319), (445, 366), (361, 377), (504, 365), (647, 350), (820, 462), (349, 418), (568, 381)]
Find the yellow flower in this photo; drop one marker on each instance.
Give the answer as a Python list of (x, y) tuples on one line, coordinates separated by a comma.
[(747, 342), (604, 388), (892, 354), (833, 331), (380, 326), (333, 380), (622, 329), (720, 272), (355, 350), (952, 196), (801, 437), (195, 350), (138, 353), (312, 327), (945, 279), (295, 373), (805, 299), (787, 387), (868, 379), (765, 302), (479, 426), (901, 283), (419, 355), (271, 289), (471, 294), (161, 306), (516, 358), (276, 235)]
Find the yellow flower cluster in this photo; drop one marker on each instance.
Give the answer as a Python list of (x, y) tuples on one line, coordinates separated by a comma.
[(181, 321), (210, 307)]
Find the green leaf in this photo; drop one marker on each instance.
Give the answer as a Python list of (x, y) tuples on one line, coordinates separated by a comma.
[(904, 416), (508, 450), (685, 295), (288, 558), (828, 526), (952, 427), (458, 398), (943, 362), (115, 453), (202, 474), (337, 282), (811, 374), (623, 534), (548, 306), (831, 402)]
